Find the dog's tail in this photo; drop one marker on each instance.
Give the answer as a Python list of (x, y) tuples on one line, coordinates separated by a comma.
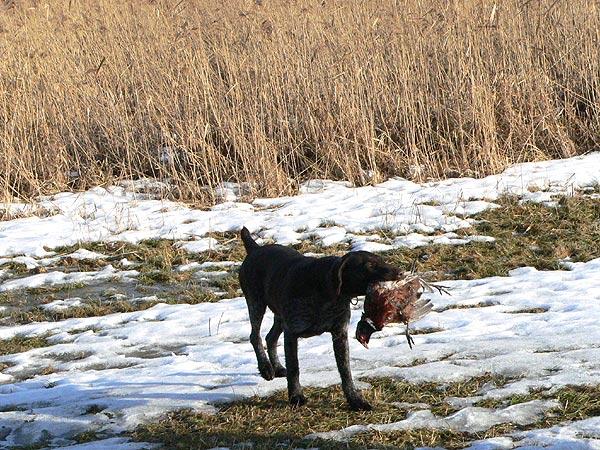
[(249, 243)]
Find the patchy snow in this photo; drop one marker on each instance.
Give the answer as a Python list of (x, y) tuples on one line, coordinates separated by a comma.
[(200, 245), (30, 262), (112, 444), (470, 419), (75, 302), (139, 365), (397, 205), (62, 304), (83, 254), (577, 435), (112, 372), (124, 262), (56, 278), (207, 265)]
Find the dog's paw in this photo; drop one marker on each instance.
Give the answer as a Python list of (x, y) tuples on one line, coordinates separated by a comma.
[(280, 372), (266, 371), (359, 404), (297, 400)]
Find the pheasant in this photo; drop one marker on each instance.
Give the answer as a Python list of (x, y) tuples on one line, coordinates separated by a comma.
[(393, 302)]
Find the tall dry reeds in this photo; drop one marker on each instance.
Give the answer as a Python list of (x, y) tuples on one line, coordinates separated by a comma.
[(276, 91)]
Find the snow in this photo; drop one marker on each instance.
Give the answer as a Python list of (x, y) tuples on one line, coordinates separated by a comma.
[(112, 444), (207, 265), (83, 254), (202, 355), (577, 435), (56, 278), (200, 245), (470, 419), (133, 367), (30, 262), (397, 205), (62, 304)]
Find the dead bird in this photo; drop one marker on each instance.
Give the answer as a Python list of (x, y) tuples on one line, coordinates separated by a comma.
[(394, 302)]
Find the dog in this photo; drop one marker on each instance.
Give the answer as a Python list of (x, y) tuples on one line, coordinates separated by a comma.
[(308, 296)]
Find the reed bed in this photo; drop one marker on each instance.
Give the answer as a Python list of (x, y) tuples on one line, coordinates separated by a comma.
[(274, 92)]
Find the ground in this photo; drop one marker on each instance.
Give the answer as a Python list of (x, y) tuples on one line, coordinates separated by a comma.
[(122, 323)]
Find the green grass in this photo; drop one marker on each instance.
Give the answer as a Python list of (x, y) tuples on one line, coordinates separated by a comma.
[(155, 258), (151, 254), (578, 402), (5, 297), (270, 423), (87, 436), (312, 245)]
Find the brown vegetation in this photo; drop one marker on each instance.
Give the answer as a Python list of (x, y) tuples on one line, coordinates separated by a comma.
[(272, 92)]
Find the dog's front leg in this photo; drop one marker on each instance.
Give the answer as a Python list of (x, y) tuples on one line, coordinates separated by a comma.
[(342, 358), (295, 396)]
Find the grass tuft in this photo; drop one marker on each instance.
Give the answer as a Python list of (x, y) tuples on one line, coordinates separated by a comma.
[(20, 344)]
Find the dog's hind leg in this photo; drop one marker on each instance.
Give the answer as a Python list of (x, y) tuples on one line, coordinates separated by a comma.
[(272, 338), (256, 311)]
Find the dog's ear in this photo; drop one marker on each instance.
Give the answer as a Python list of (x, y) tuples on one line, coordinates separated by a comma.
[(336, 275)]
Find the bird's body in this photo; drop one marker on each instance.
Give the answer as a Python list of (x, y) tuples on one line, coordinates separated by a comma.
[(392, 302)]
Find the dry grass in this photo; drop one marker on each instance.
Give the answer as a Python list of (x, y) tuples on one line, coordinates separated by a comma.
[(526, 234), (20, 344), (273, 92), (270, 423)]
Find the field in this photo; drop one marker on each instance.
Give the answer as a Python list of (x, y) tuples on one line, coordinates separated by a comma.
[(122, 325), (137, 137), (272, 93)]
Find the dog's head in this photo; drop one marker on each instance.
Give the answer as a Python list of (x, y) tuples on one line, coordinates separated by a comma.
[(357, 270)]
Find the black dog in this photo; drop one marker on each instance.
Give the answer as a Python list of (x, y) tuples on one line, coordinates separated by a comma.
[(309, 296)]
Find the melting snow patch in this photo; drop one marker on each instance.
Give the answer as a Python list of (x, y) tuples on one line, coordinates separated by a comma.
[(470, 419), (577, 435), (83, 254), (404, 207), (201, 245), (30, 262), (112, 444), (57, 278), (61, 305), (207, 265)]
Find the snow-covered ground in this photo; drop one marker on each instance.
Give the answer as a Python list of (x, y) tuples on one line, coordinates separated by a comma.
[(112, 372)]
